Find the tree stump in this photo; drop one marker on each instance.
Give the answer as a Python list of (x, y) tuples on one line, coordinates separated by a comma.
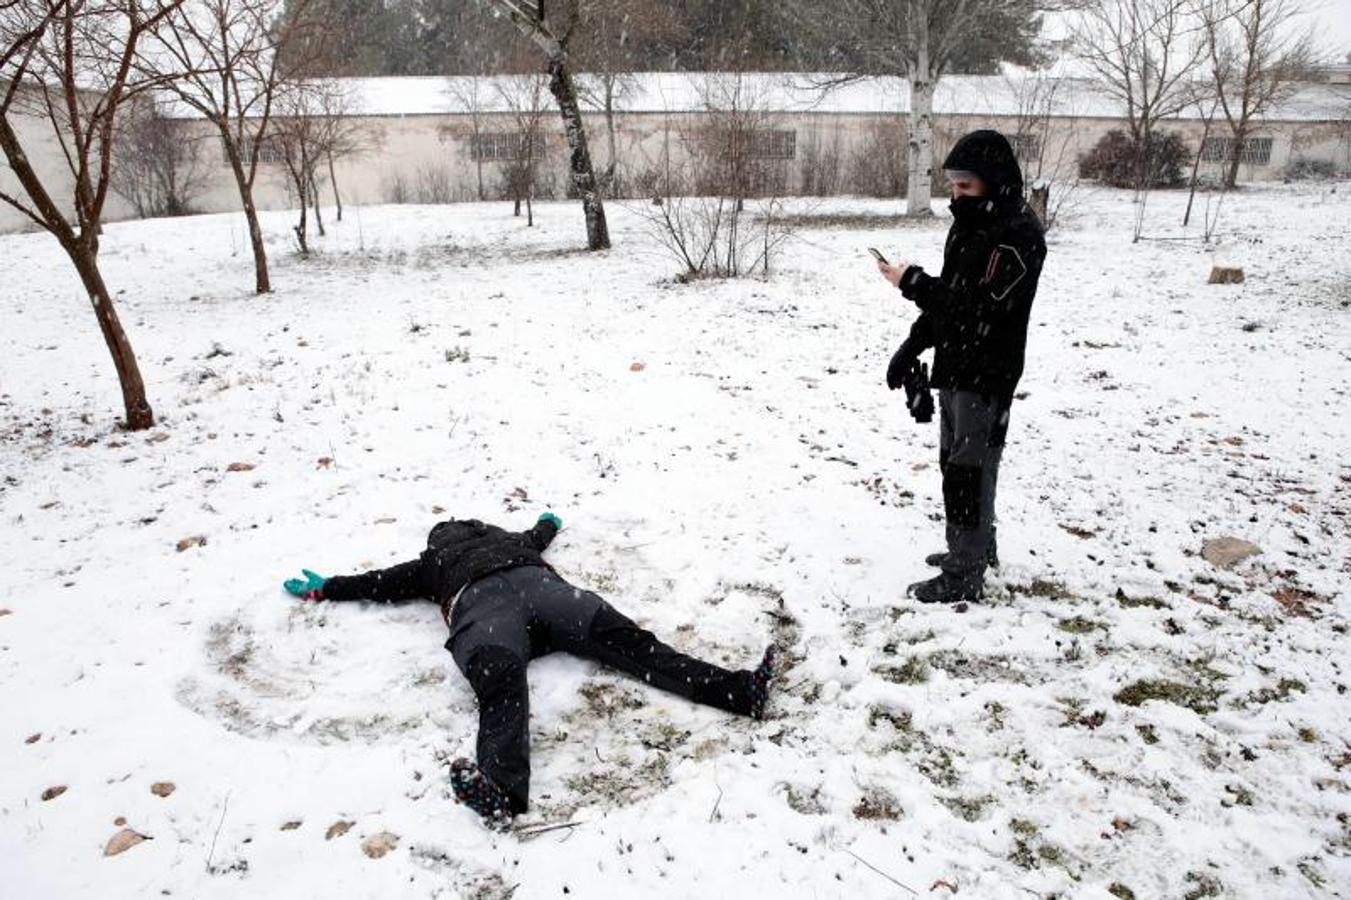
[(1040, 199), (1226, 275)]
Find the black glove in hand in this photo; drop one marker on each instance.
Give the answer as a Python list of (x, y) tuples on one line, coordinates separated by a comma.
[(917, 395), (901, 364)]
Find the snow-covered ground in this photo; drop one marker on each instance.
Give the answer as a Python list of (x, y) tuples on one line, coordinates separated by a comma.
[(752, 479)]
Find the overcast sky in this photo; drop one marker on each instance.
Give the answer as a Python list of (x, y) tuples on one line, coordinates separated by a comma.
[(1334, 24)]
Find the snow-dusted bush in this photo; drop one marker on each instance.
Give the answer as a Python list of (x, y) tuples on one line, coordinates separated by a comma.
[(1117, 157)]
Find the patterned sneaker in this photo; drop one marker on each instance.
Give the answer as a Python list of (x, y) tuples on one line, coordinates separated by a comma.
[(474, 790), (761, 678)]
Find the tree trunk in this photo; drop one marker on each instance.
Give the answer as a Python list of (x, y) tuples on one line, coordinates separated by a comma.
[(300, 228), (83, 252), (1235, 156), (611, 164), (919, 190), (333, 181), (139, 414), (478, 159), (1196, 168), (314, 199), (583, 175), (262, 281)]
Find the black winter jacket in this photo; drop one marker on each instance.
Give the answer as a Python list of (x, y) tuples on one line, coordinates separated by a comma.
[(458, 553), (975, 313)]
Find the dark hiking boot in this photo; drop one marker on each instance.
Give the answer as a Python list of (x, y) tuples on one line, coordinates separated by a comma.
[(944, 588), (474, 790), (761, 678), (937, 559)]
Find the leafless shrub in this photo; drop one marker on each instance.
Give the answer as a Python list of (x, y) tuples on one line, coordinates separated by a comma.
[(154, 167), (820, 168), (434, 185), (877, 167), (736, 164), (394, 188)]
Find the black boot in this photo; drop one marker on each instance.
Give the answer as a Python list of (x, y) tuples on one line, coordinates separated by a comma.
[(936, 559), (945, 588), (761, 678), (476, 791)]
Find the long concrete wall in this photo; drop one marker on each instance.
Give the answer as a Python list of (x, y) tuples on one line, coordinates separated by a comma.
[(428, 158)]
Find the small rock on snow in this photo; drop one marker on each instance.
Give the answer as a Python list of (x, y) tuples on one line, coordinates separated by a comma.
[(377, 845), (122, 841), (196, 540), (338, 829), (1227, 552)]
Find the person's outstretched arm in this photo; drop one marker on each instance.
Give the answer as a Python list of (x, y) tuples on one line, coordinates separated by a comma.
[(402, 582), (544, 531)]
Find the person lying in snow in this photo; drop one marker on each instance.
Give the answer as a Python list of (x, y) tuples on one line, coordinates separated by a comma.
[(505, 606)]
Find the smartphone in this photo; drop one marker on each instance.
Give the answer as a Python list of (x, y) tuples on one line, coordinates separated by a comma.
[(877, 255)]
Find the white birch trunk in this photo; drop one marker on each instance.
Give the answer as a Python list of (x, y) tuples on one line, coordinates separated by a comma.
[(920, 163)]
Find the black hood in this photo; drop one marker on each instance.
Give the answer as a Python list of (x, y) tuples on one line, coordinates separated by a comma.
[(989, 155)]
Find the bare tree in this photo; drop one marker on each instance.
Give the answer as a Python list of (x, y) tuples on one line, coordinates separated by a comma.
[(348, 136), (305, 133), (468, 92), (71, 62), (1144, 53), (155, 167), (735, 164), (1256, 54), (553, 37), (920, 41), (226, 62), (611, 46), (1047, 154), (524, 96)]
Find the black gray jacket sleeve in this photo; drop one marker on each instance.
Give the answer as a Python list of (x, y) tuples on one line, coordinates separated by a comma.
[(921, 335), (402, 582), (1006, 279)]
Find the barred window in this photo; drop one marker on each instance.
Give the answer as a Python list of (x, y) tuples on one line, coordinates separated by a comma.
[(269, 152), (1026, 146), (774, 145), (1255, 151), (505, 145)]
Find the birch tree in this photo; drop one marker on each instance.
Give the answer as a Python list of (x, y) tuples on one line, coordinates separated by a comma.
[(71, 63), (920, 41), (553, 36)]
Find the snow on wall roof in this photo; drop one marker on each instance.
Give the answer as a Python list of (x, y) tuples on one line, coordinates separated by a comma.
[(1009, 94)]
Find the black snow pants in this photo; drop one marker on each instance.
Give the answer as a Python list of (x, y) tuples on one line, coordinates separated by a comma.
[(971, 434), (503, 621)]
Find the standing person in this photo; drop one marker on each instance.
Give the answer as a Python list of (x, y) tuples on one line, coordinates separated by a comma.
[(506, 606), (974, 315)]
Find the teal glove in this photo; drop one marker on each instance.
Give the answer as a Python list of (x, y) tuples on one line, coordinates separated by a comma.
[(550, 517), (311, 588)]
